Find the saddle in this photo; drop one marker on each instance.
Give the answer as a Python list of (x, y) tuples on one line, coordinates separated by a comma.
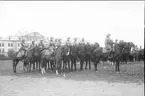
[(105, 50), (21, 53)]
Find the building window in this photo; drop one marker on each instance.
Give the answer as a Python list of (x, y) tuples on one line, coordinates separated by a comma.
[(8, 44), (0, 44), (3, 50), (3, 44), (0, 50), (11, 44)]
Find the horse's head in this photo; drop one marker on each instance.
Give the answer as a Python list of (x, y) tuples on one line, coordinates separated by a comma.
[(36, 51)]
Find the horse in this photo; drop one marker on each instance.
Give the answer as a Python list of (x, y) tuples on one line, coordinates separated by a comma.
[(126, 51), (74, 56), (81, 54), (36, 57), (88, 55), (96, 52), (46, 55), (61, 55), (118, 51), (19, 56)]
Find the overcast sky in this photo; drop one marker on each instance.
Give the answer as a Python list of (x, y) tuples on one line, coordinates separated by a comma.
[(89, 19)]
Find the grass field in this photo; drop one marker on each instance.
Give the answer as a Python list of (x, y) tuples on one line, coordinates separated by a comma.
[(105, 82)]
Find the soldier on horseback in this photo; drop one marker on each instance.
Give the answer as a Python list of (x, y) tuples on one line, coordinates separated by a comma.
[(32, 46), (82, 41), (68, 42), (23, 46), (59, 42), (41, 45), (108, 43), (51, 41), (75, 41)]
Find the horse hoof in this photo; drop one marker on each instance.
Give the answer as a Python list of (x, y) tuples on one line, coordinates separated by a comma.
[(56, 72), (96, 71), (117, 72), (64, 75)]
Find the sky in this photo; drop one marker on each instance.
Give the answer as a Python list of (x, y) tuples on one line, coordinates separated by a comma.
[(124, 20)]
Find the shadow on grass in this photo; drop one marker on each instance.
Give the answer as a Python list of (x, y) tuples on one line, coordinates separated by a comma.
[(128, 73)]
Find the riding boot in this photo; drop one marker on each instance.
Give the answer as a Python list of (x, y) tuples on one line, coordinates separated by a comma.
[(109, 55)]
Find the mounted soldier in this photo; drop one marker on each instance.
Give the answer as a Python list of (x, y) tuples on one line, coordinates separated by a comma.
[(82, 41), (56, 42), (41, 45), (75, 41), (59, 42), (108, 43), (68, 42), (51, 41), (23, 48), (32, 46)]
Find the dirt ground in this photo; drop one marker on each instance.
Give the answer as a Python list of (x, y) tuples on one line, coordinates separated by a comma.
[(105, 82)]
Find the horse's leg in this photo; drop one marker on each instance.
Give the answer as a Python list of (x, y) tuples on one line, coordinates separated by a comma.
[(95, 66), (65, 65), (52, 65), (72, 62), (30, 66), (118, 66), (15, 62), (41, 65), (75, 64), (89, 63), (56, 67), (69, 65), (26, 63), (86, 60), (81, 64), (49, 64), (45, 64), (36, 65)]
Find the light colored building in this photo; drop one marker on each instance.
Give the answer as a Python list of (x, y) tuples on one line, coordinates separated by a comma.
[(13, 42), (6, 45), (35, 36)]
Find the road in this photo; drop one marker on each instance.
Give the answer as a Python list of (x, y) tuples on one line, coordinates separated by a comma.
[(85, 83)]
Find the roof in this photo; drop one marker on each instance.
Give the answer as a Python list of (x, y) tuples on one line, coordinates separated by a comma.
[(35, 34), (12, 40)]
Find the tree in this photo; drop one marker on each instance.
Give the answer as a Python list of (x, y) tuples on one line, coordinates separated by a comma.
[(10, 52)]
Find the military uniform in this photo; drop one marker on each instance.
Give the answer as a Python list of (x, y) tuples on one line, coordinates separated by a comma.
[(59, 43), (82, 41), (32, 46), (22, 50), (23, 45), (108, 43), (41, 44), (51, 42), (68, 42), (75, 41)]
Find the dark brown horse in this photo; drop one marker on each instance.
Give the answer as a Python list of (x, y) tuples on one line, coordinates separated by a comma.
[(61, 55), (74, 56), (17, 57), (46, 55)]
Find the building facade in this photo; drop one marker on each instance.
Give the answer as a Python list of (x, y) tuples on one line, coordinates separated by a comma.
[(13, 42), (35, 36), (6, 45)]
